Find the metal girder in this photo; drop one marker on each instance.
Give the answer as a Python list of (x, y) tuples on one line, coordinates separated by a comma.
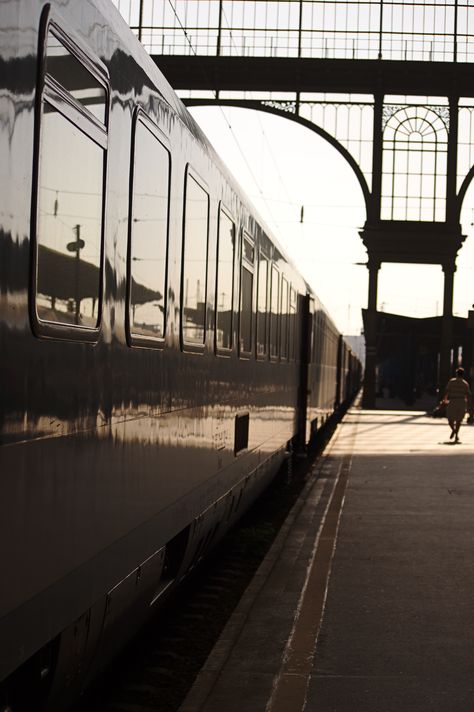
[(363, 76)]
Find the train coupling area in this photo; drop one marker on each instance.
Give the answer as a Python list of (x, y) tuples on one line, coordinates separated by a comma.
[(364, 601)]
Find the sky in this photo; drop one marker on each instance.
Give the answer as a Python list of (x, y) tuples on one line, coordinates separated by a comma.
[(283, 166)]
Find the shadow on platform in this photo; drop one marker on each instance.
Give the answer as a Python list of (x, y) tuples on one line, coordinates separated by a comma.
[(426, 403)]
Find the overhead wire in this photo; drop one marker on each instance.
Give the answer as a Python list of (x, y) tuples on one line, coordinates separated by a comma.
[(241, 151), (259, 118)]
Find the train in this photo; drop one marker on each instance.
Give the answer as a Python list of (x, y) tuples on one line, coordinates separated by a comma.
[(159, 353)]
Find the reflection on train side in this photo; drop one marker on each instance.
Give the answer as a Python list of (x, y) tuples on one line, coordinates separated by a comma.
[(148, 232), (225, 281), (262, 306), (69, 223), (65, 69), (206, 427), (68, 288), (246, 294), (70, 190), (196, 228)]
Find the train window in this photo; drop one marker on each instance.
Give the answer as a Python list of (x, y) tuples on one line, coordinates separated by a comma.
[(284, 319), (248, 251), (292, 325), (63, 67), (274, 302), (225, 281), (194, 273), (148, 235), (317, 331), (246, 311), (246, 294), (69, 211), (262, 306)]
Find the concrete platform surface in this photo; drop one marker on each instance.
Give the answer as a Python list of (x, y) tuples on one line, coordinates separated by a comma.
[(365, 601)]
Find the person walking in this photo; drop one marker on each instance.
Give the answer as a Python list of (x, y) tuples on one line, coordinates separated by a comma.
[(457, 397)]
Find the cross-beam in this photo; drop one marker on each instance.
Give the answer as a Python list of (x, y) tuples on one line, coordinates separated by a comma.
[(358, 76)]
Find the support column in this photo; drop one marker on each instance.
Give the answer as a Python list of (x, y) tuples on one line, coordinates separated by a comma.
[(446, 326), (373, 265), (368, 400)]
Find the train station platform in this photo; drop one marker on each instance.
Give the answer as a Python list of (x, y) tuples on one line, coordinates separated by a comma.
[(364, 603)]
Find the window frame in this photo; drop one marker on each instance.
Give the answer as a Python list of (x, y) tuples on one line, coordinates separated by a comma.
[(266, 319), (292, 331), (222, 350), (244, 263), (51, 92), (138, 340), (284, 338), (275, 357), (189, 346)]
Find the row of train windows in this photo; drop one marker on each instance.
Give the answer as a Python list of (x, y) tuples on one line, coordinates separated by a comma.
[(71, 188)]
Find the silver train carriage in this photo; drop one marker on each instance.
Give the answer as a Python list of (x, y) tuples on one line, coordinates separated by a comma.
[(158, 351)]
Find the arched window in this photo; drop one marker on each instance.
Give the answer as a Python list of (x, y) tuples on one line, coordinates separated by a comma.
[(415, 147)]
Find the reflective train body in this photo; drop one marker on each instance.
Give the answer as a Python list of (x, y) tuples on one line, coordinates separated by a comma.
[(159, 354)]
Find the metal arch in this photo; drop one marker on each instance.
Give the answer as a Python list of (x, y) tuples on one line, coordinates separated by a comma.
[(462, 193), (258, 106)]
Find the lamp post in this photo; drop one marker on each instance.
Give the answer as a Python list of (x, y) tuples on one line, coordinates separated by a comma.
[(76, 246)]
